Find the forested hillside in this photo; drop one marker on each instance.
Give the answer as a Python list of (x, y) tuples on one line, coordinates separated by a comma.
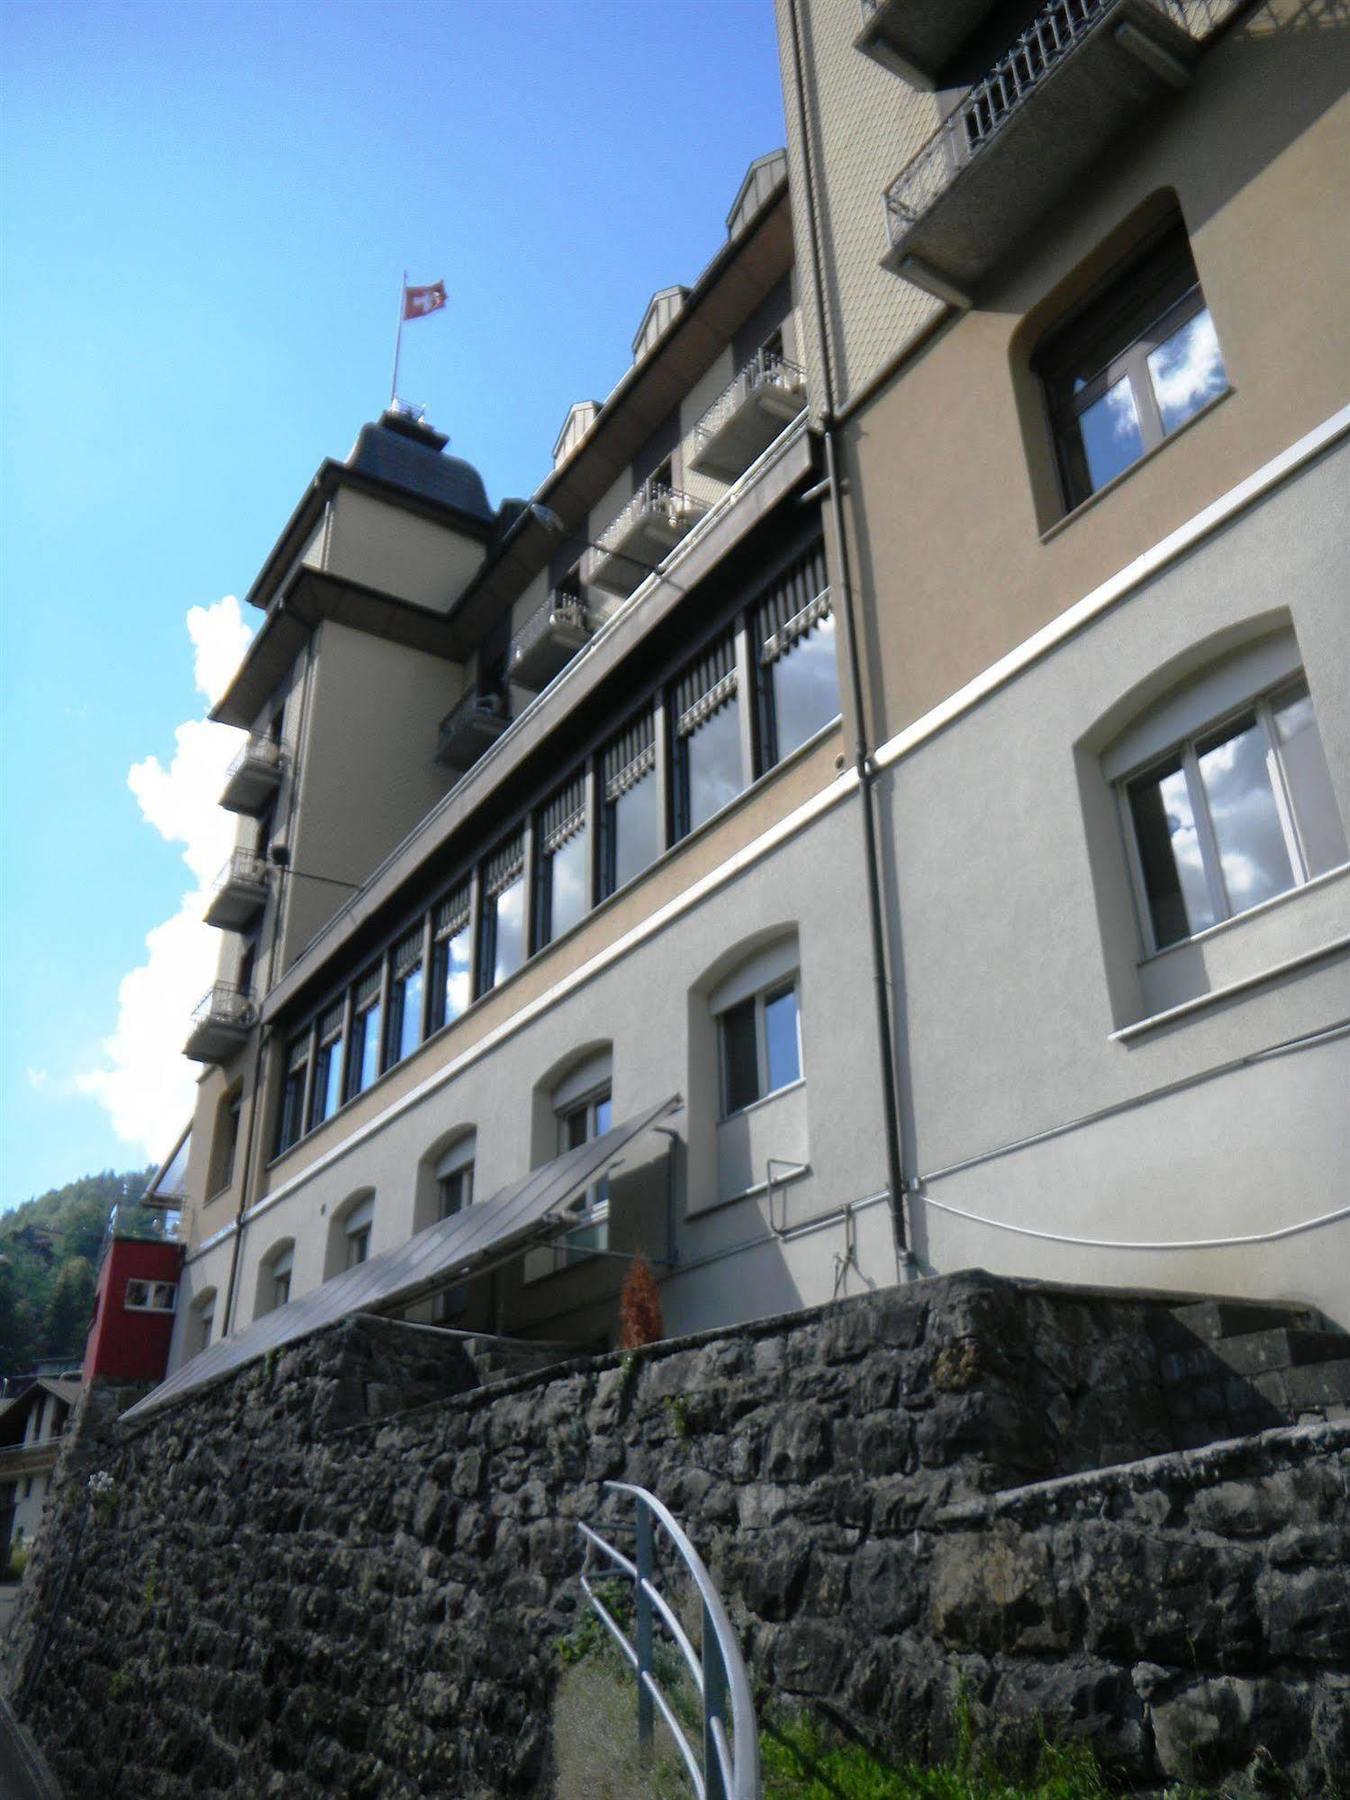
[(48, 1263)]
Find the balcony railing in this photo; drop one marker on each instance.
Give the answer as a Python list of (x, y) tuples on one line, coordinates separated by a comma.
[(220, 1023), (475, 721), (240, 892), (253, 777), (550, 638), (643, 535), (759, 400), (1079, 73)]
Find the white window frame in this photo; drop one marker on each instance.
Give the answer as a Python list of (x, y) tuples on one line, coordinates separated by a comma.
[(766, 976), (356, 1226), (460, 1159), (280, 1268), (588, 1210), (1262, 705), (160, 1296)]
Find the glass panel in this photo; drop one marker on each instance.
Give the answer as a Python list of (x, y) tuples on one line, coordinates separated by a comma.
[(409, 1014), (1109, 438), (292, 1100), (508, 941), (805, 687), (781, 1050), (636, 824), (1169, 855), (327, 1082), (569, 900), (457, 1191), (281, 1289), (1252, 850), (451, 975), (713, 763), (1187, 370), (366, 1049), (1305, 770), (358, 1248), (740, 1065)]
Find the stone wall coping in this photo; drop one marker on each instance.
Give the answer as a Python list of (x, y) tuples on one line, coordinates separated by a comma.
[(1243, 1455)]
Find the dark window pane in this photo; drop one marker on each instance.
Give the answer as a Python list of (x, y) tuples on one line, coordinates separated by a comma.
[(1169, 855), (365, 1050), (327, 1081), (805, 687), (740, 1064), (712, 756), (409, 1014), (781, 1052), (635, 820), (1108, 437)]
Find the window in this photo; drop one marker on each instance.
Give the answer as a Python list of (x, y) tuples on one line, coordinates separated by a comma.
[(226, 1140), (632, 803), (203, 1322), (709, 767), (405, 997), (151, 1296), (1137, 360), (794, 643), (503, 928), (583, 1110), (564, 863), (290, 1122), (454, 1177), (274, 1279), (1236, 813), (328, 1065), (356, 1228), (451, 959), (758, 1028), (363, 1061)]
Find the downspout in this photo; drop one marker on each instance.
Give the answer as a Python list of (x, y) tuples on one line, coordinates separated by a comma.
[(862, 760)]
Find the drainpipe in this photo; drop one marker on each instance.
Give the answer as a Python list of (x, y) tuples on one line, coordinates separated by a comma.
[(862, 761), (228, 1317)]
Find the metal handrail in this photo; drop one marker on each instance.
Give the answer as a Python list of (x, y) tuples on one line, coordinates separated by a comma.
[(243, 866), (226, 1004), (1052, 34), (765, 369), (730, 1766), (563, 606), (259, 749), (651, 497), (490, 703)]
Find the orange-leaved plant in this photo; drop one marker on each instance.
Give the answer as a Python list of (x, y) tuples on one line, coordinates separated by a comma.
[(640, 1320)]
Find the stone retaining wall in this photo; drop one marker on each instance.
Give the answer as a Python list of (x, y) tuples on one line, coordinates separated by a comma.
[(345, 1569)]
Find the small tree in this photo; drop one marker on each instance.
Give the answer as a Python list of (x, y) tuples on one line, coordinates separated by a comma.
[(640, 1320)]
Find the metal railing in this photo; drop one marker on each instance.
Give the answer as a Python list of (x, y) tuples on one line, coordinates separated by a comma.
[(490, 704), (765, 369), (224, 1004), (260, 752), (564, 606), (653, 499), (1052, 34), (729, 1765), (244, 869)]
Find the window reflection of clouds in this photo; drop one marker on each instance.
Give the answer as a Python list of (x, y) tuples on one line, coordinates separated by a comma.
[(568, 884), (805, 687), (1185, 844), (1246, 823), (1187, 370), (714, 752), (1111, 436)]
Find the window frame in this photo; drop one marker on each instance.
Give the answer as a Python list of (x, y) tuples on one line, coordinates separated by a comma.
[(155, 1292), (1134, 309), (1208, 733), (591, 1212), (763, 977)]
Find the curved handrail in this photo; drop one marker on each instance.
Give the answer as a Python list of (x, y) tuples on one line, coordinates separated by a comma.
[(730, 1765)]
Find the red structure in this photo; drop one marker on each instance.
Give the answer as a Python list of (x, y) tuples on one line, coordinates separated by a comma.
[(133, 1310)]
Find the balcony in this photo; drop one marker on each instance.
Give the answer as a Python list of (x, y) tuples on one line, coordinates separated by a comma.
[(747, 416), (643, 535), (1077, 76), (240, 892), (254, 776), (472, 725), (220, 1024), (916, 39), (549, 639)]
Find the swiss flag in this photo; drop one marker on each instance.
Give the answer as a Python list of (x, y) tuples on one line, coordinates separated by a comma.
[(419, 301)]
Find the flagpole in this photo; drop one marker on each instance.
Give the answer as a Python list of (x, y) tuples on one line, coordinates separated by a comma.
[(398, 335)]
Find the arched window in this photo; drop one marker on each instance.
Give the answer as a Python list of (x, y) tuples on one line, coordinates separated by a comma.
[(758, 1015), (454, 1176), (349, 1234), (1225, 795), (274, 1278), (201, 1322)]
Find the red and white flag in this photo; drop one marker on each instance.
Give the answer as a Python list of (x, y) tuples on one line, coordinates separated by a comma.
[(419, 301)]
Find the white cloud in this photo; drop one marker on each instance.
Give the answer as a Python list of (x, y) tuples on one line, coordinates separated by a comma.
[(37, 1079), (144, 1083)]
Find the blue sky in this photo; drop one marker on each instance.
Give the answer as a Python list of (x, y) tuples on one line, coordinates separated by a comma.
[(207, 208)]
